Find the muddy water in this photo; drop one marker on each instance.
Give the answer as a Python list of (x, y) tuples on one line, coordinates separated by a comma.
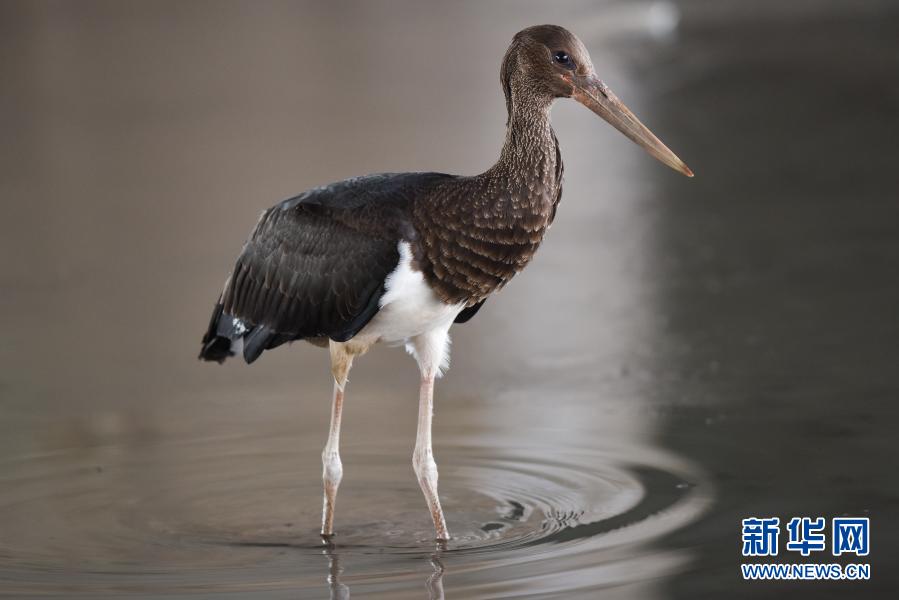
[(598, 431)]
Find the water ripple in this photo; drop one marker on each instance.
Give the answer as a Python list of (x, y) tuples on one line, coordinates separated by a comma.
[(217, 515)]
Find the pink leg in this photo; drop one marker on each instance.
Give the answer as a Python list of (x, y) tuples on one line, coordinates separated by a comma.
[(332, 468), (430, 351)]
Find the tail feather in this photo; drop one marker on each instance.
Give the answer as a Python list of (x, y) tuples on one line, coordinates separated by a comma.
[(256, 341), (216, 347), (228, 336)]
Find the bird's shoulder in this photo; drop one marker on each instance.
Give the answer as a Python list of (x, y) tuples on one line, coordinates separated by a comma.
[(376, 190), (351, 212), (376, 206)]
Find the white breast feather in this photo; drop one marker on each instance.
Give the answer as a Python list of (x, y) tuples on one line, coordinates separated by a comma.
[(409, 307)]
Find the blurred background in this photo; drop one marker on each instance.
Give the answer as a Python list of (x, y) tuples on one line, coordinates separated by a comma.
[(681, 354)]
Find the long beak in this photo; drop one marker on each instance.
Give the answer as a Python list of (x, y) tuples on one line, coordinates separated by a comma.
[(595, 95)]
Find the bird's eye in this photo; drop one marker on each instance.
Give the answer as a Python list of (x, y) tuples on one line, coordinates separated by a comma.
[(563, 59)]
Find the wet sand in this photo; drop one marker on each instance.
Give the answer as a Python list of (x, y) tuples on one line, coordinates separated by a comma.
[(680, 355)]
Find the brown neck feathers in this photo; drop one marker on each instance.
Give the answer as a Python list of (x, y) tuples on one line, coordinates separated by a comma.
[(478, 232)]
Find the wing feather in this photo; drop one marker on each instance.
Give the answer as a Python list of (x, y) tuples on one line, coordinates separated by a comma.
[(314, 265), (295, 277)]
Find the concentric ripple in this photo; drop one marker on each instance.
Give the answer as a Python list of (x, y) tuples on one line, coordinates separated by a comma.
[(241, 514)]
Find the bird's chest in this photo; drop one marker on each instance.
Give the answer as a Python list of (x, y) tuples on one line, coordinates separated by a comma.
[(473, 249)]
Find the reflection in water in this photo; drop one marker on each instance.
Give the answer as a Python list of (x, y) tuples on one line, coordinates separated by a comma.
[(339, 591), (435, 580)]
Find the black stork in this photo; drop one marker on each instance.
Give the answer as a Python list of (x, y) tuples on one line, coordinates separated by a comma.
[(400, 257)]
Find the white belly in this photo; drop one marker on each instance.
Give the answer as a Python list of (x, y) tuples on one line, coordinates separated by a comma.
[(408, 307)]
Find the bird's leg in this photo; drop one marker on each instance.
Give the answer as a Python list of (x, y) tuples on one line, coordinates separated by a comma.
[(430, 351), (423, 456), (332, 468)]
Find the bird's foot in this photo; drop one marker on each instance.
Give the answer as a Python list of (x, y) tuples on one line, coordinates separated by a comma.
[(442, 535), (328, 539)]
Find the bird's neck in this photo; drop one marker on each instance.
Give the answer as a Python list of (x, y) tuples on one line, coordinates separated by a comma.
[(529, 165), (477, 232)]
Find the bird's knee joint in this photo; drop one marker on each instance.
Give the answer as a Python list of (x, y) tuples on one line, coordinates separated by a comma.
[(424, 465), (332, 468)]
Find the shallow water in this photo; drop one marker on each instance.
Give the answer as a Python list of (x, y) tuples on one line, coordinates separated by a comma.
[(680, 355), (223, 515)]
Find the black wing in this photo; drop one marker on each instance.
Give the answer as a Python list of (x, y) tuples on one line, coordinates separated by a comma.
[(468, 312), (315, 265)]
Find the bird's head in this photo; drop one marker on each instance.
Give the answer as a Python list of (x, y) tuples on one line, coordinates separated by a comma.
[(547, 62)]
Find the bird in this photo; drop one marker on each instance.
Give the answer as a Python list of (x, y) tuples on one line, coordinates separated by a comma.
[(399, 258)]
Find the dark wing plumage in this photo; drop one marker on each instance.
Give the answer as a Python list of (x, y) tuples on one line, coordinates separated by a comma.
[(315, 265), (468, 312)]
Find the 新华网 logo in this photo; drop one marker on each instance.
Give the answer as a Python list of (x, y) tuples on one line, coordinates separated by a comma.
[(807, 537)]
